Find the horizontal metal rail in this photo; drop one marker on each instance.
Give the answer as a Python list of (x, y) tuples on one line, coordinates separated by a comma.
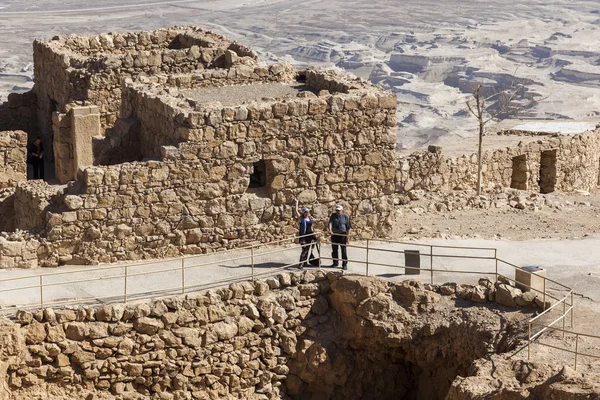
[(127, 273)]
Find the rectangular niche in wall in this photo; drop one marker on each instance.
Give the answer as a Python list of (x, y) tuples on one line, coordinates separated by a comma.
[(258, 177), (519, 172), (547, 171)]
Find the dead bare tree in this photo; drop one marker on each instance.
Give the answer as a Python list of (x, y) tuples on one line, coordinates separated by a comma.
[(506, 104)]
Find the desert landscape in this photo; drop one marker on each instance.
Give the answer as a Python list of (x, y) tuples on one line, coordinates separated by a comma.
[(159, 257), (430, 54)]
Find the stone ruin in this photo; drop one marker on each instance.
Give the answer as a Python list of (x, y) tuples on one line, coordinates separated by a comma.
[(179, 141), (296, 335)]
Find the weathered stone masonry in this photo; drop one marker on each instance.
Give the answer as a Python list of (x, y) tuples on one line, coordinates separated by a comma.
[(560, 163), (88, 69), (293, 334), (320, 149), (329, 139)]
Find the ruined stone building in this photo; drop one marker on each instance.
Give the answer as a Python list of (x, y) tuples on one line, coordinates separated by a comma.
[(179, 141)]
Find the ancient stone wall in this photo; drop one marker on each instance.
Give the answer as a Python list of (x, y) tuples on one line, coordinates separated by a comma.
[(295, 334), (327, 149), (13, 158), (564, 164), (19, 113), (88, 69), (19, 250), (167, 118)]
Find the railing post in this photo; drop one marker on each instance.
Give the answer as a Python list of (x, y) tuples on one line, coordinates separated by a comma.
[(319, 251), (572, 308), (576, 349), (529, 342), (41, 291), (431, 262), (564, 316), (496, 258), (125, 287), (252, 260), (544, 306), (367, 271), (182, 276)]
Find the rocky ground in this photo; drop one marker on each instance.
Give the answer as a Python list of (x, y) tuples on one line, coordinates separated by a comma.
[(513, 215), (503, 214)]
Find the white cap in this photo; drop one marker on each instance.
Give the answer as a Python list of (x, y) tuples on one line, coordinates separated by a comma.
[(339, 207)]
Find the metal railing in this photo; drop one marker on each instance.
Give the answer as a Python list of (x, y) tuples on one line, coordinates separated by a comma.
[(149, 273)]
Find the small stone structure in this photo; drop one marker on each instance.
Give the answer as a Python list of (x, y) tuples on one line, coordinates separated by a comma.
[(178, 141), (87, 70)]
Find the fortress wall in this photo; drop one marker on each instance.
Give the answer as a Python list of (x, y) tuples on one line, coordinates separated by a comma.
[(19, 113), (13, 158), (321, 150), (168, 119)]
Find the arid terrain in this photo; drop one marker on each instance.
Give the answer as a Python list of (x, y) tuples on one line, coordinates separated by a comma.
[(429, 53)]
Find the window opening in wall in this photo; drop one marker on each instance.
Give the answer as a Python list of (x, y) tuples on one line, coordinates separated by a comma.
[(547, 171), (519, 172), (258, 177)]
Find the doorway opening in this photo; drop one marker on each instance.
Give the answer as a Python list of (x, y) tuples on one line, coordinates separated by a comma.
[(519, 172)]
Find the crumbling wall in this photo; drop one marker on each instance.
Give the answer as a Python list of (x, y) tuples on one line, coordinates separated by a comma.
[(167, 118), (326, 149), (88, 69), (13, 158), (19, 250), (576, 166), (19, 113), (296, 334)]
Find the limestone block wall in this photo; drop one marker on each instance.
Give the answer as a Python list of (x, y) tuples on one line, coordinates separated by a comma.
[(19, 113), (13, 158), (73, 138), (167, 119), (232, 342), (19, 250), (88, 69), (33, 199), (564, 163)]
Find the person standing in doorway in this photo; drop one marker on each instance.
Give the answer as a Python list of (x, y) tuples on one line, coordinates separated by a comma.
[(339, 229), (35, 157)]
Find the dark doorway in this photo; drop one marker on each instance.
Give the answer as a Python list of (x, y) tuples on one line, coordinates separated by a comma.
[(519, 172), (547, 171)]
